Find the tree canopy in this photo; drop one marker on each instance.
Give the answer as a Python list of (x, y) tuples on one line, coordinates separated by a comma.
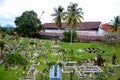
[(73, 15), (115, 23), (27, 23), (59, 14)]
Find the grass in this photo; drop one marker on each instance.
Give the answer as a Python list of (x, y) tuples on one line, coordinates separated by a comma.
[(75, 56), (10, 74)]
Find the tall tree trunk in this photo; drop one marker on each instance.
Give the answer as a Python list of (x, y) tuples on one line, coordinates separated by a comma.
[(71, 39), (115, 28), (58, 30)]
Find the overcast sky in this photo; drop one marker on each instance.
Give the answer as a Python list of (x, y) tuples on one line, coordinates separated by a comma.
[(94, 10)]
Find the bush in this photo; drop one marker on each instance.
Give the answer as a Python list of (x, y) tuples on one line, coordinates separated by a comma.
[(10, 31), (16, 59), (112, 38), (67, 36), (32, 43), (2, 35), (2, 44)]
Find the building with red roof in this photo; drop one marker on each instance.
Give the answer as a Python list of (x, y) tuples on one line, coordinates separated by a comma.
[(91, 30), (106, 27)]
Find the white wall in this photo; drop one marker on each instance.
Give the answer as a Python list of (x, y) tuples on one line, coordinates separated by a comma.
[(91, 33), (101, 32), (54, 31)]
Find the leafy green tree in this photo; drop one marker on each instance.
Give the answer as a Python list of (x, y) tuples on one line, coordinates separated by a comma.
[(59, 15), (27, 23), (16, 59), (73, 17), (115, 23)]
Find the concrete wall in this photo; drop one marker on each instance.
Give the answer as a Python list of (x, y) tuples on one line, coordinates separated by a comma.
[(100, 32)]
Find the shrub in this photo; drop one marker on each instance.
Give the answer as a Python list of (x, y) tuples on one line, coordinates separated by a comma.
[(16, 58), (31, 43), (67, 36), (112, 38), (2, 44), (2, 35), (10, 31)]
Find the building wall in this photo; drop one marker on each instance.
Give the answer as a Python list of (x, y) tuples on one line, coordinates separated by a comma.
[(101, 32), (88, 33)]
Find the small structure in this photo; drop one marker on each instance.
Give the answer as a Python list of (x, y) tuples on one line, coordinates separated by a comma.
[(32, 73), (55, 49), (82, 70), (55, 73), (26, 78), (71, 63)]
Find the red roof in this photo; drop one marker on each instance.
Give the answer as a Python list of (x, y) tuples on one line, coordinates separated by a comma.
[(53, 25), (90, 25), (84, 25), (106, 27)]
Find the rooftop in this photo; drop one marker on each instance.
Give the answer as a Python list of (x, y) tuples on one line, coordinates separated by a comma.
[(83, 25), (106, 27)]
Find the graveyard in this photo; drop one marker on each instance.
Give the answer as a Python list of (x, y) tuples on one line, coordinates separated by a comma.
[(80, 63)]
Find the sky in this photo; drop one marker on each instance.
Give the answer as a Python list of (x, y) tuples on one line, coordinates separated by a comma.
[(94, 10)]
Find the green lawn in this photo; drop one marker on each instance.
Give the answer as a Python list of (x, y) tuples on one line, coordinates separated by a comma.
[(10, 74)]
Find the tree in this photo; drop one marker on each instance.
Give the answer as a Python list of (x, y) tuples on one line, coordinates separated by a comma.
[(27, 23), (115, 23), (59, 15), (73, 17)]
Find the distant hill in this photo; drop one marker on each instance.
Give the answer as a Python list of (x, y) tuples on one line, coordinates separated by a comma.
[(9, 26)]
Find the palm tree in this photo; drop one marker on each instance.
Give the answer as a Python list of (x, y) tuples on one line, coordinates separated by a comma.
[(115, 23), (59, 14), (73, 17)]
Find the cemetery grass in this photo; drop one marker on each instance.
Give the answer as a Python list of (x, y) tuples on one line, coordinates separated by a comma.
[(71, 56)]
